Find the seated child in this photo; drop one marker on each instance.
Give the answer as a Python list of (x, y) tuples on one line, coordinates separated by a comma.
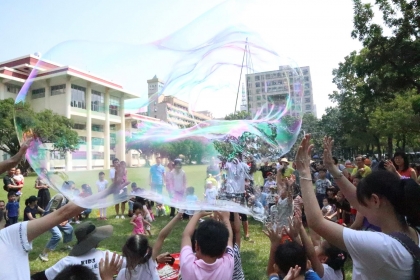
[(327, 209), (214, 258), (160, 210)]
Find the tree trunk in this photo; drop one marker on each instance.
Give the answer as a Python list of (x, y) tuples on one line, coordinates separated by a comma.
[(378, 145), (390, 147)]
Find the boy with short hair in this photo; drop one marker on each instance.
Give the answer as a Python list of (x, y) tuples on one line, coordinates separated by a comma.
[(214, 258), (321, 186), (12, 209), (102, 184)]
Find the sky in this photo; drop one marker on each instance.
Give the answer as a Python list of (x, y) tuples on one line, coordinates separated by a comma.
[(310, 33)]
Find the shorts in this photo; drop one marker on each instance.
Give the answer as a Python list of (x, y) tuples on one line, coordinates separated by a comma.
[(243, 217)]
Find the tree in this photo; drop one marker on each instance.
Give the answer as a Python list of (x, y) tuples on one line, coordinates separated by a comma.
[(392, 62), (239, 115), (48, 126)]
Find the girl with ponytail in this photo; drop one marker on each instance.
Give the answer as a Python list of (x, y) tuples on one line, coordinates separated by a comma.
[(385, 200)]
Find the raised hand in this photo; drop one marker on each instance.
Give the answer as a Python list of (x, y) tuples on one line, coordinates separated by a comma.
[(303, 155), (108, 268), (389, 166), (273, 235), (328, 157), (293, 273)]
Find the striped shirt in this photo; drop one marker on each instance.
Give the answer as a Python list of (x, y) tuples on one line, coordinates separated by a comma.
[(238, 273)]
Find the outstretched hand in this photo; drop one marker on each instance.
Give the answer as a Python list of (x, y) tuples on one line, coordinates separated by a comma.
[(274, 235), (108, 268), (293, 273), (303, 155), (389, 166), (328, 157)]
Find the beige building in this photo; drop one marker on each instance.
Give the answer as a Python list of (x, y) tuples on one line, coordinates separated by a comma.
[(96, 106), (272, 88), (171, 109)]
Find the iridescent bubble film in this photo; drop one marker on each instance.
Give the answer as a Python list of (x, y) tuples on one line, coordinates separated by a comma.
[(137, 102)]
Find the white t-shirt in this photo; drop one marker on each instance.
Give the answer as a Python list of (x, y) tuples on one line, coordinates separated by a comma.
[(331, 274), (211, 195), (91, 260), (145, 271), (101, 185), (112, 173), (377, 255), (14, 244)]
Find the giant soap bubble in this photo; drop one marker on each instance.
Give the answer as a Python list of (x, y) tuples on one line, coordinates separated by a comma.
[(197, 69)]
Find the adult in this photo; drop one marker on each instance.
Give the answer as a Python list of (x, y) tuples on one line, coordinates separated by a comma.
[(44, 195), (284, 168), (115, 163), (9, 183), (2, 213), (31, 209), (265, 170), (214, 169), (56, 203), (361, 168), (85, 252), (157, 176), (402, 165), (177, 184), (385, 200), (252, 169)]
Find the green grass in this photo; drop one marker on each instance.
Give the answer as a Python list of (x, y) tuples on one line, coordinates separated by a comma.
[(254, 255)]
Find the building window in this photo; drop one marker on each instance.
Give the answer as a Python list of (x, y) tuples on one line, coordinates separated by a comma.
[(258, 98), (307, 92), (79, 155), (97, 102), (57, 90), (12, 88), (57, 155), (258, 91), (307, 100), (97, 141), (308, 107), (114, 105), (79, 126), (97, 127), (82, 139), (78, 97), (257, 84), (38, 93), (112, 127), (257, 78), (98, 155)]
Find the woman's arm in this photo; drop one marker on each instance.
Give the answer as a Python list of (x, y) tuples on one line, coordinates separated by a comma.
[(163, 234), (348, 189), (358, 222), (332, 232), (413, 174)]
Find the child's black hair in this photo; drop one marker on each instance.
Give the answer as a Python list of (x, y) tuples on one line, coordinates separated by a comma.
[(136, 251), (212, 238), (75, 272), (336, 257), (101, 173), (10, 193), (290, 254), (136, 206), (190, 190)]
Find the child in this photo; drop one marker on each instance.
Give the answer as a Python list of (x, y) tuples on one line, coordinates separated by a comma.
[(141, 257), (273, 197), (214, 258), (327, 209), (285, 205), (19, 180), (321, 186), (270, 182), (102, 184), (12, 209), (138, 219), (211, 193), (31, 208), (160, 210), (86, 191), (190, 199)]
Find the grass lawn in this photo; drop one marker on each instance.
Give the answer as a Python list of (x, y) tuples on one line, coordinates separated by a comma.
[(254, 255)]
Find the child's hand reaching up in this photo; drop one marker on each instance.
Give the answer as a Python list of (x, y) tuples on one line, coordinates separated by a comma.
[(293, 273), (294, 227), (273, 235)]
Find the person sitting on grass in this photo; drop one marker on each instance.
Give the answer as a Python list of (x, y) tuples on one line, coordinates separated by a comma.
[(141, 258), (214, 258), (84, 252), (31, 208)]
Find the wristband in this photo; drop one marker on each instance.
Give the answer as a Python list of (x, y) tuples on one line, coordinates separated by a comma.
[(340, 175)]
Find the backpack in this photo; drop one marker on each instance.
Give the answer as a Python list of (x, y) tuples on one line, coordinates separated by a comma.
[(412, 248)]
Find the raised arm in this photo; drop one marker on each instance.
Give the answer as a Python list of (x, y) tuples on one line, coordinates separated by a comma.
[(236, 228), (224, 217), (275, 238), (310, 252), (39, 226), (14, 160), (346, 187), (164, 233), (332, 232)]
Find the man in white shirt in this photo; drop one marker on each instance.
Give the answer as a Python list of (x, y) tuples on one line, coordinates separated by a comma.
[(83, 253)]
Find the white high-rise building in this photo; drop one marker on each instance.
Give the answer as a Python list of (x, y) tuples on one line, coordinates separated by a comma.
[(268, 89)]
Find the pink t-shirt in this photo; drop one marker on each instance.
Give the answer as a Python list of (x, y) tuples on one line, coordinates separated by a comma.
[(191, 268)]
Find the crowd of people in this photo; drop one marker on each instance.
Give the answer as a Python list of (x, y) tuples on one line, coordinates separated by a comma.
[(319, 215)]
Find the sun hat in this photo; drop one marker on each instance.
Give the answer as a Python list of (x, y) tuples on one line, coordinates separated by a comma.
[(284, 160), (88, 236)]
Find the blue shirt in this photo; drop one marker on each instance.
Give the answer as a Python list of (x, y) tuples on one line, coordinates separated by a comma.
[(12, 208), (156, 172)]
